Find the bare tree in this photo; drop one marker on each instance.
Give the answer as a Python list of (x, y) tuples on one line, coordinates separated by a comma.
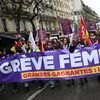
[(20, 9)]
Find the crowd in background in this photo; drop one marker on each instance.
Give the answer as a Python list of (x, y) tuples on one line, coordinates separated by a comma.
[(51, 43)]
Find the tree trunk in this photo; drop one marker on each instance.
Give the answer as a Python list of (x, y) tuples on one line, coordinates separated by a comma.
[(25, 29), (34, 29), (4, 25), (18, 24)]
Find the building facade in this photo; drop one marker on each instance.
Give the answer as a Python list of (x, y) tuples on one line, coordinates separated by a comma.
[(89, 15), (49, 19)]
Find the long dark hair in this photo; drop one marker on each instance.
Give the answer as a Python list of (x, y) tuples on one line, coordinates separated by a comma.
[(68, 40)]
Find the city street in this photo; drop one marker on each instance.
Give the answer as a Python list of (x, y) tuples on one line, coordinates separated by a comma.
[(20, 94), (90, 91)]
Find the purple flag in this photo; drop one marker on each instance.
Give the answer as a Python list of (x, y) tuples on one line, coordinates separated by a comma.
[(66, 26)]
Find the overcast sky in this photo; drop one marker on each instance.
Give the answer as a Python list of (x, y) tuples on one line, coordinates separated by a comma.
[(94, 4)]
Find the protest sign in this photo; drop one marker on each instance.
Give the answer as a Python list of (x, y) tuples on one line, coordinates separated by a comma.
[(51, 65)]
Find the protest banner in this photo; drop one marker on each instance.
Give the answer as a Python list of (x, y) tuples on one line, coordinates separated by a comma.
[(51, 65), (66, 27), (32, 42)]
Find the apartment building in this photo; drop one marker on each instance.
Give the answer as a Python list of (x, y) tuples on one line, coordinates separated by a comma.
[(48, 19)]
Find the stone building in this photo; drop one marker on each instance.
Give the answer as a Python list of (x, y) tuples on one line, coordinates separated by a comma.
[(89, 15), (49, 19)]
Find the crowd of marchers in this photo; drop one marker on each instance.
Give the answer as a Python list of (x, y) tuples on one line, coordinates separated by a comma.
[(50, 43)]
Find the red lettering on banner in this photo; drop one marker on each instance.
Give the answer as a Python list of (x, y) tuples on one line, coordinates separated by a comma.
[(25, 76), (99, 69)]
